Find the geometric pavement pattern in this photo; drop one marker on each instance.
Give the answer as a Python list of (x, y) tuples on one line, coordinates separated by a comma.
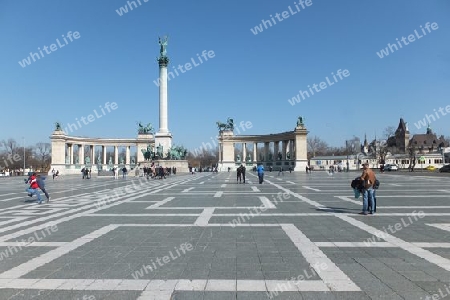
[(203, 236)]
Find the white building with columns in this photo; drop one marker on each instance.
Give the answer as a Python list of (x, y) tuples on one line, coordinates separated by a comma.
[(286, 150)]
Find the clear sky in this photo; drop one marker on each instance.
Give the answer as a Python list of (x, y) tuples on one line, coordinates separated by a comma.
[(250, 78)]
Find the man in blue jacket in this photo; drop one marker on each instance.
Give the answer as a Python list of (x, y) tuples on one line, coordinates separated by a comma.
[(260, 170)]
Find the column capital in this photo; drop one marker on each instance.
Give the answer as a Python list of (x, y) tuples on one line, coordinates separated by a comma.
[(163, 61)]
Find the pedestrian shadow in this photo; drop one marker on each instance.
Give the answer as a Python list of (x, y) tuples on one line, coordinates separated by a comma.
[(339, 210)]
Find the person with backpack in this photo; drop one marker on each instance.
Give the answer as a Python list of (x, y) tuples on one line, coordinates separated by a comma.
[(376, 186), (260, 170), (368, 177)]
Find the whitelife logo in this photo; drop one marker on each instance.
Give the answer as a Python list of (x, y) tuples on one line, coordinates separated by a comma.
[(33, 56)]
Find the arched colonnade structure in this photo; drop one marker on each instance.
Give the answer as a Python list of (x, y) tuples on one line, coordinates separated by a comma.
[(286, 149), (70, 153)]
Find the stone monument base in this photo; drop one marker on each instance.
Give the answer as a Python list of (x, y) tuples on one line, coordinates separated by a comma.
[(182, 166)]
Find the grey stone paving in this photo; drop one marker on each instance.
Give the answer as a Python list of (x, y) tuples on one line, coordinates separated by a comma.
[(204, 236)]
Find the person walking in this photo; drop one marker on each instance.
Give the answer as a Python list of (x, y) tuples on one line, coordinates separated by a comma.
[(41, 184), (238, 171), (260, 170), (281, 172), (243, 172), (124, 172), (369, 178)]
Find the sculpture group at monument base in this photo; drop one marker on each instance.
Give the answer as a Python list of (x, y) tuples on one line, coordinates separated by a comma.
[(182, 166)]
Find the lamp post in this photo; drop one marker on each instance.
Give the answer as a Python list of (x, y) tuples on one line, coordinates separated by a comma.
[(346, 147), (23, 138)]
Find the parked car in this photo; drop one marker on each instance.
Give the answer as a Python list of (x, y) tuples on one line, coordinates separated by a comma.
[(445, 168), (390, 167), (431, 168)]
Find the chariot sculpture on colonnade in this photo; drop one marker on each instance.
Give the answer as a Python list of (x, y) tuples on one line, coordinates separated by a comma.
[(229, 125), (145, 129)]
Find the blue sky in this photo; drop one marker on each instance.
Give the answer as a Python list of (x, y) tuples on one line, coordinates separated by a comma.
[(250, 78)]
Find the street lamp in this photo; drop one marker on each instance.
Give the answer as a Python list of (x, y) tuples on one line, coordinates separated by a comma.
[(23, 138), (347, 147)]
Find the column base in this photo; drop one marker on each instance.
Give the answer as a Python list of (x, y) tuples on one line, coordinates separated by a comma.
[(300, 165), (165, 139)]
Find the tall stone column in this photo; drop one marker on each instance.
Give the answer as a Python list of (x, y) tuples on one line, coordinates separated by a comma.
[(244, 152), (255, 152), (163, 137)]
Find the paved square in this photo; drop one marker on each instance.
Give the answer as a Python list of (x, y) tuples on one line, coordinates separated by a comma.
[(203, 236)]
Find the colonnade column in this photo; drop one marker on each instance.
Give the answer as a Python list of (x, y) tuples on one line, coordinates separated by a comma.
[(81, 154), (266, 151), (283, 151), (127, 155), (275, 150), (71, 154), (291, 149), (116, 155), (104, 155), (92, 150), (255, 152), (244, 152)]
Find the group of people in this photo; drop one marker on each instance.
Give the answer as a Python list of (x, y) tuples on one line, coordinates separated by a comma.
[(86, 173), (36, 183), (55, 174), (240, 174), (158, 171)]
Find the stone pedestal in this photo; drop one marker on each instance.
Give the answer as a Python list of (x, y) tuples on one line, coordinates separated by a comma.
[(301, 150), (143, 140), (227, 151), (58, 151), (165, 140)]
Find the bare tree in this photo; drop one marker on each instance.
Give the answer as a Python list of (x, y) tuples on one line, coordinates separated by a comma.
[(205, 158), (12, 154), (388, 132), (42, 151), (335, 151), (316, 146)]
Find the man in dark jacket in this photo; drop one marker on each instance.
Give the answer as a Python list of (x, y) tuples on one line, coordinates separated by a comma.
[(41, 184)]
